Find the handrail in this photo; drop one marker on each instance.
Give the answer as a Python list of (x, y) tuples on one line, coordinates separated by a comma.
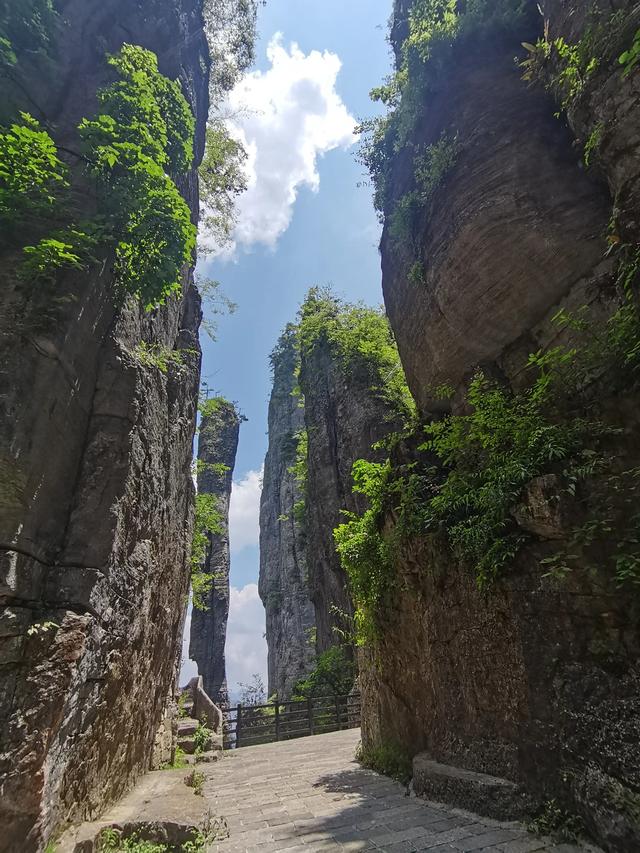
[(282, 720)]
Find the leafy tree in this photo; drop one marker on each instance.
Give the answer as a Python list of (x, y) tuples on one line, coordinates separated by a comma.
[(334, 675), (359, 334), (214, 303), (25, 29), (254, 693), (145, 129), (222, 180), (32, 176), (230, 26)]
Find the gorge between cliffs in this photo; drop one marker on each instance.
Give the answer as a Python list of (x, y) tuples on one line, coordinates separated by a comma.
[(433, 501)]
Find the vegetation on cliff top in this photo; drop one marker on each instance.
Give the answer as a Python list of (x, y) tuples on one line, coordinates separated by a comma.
[(358, 335), (134, 149), (428, 34), (143, 131), (472, 471)]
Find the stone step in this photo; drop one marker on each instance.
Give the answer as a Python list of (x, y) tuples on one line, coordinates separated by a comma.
[(208, 757), (187, 726), (492, 796), (187, 745)]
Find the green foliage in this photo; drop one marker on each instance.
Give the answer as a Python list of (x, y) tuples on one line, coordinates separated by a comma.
[(145, 128), (333, 675), (214, 303), (70, 249), (230, 27), (159, 356), (222, 180), (253, 693), (593, 143), (25, 30), (195, 780), (477, 465), (560, 824), (431, 167), (41, 628), (219, 469), (209, 407), (360, 336), (300, 471), (364, 553), (565, 68), (492, 453), (143, 113), (631, 57), (435, 29), (32, 176), (416, 274), (179, 760), (114, 841), (388, 758), (434, 163), (207, 523), (202, 737)]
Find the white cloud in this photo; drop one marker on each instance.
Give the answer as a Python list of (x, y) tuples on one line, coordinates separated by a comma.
[(286, 117), (244, 511), (246, 648)]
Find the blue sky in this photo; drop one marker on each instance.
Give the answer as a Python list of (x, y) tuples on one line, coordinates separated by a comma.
[(303, 222)]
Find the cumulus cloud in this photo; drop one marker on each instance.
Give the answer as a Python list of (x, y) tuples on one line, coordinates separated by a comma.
[(286, 117), (246, 648), (244, 511)]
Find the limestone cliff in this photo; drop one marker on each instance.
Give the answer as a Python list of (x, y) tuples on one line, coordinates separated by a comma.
[(217, 446), (95, 455), (283, 573), (346, 412), (533, 677)]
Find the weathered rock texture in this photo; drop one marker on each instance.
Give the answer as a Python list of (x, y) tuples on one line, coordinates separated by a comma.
[(515, 226), (344, 416), (283, 573), (217, 446), (96, 496), (532, 680)]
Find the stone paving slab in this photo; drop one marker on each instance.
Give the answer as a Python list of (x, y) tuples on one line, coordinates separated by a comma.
[(310, 794)]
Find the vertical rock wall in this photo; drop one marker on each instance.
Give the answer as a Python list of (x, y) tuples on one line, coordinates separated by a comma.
[(283, 573), (533, 679), (345, 414), (96, 496), (217, 446)]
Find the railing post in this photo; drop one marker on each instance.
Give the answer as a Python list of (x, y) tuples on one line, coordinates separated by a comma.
[(338, 713), (277, 720), (238, 724), (310, 714)]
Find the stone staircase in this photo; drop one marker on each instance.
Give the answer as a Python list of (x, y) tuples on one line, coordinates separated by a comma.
[(187, 727), (497, 798)]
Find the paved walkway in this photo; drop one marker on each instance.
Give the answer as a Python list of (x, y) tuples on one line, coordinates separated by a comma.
[(310, 794)]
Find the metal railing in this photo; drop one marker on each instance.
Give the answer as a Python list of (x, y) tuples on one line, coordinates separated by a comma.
[(248, 725)]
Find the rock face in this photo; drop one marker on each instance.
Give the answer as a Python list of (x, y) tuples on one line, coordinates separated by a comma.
[(217, 446), (344, 416), (283, 573), (96, 496), (516, 226), (534, 680)]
